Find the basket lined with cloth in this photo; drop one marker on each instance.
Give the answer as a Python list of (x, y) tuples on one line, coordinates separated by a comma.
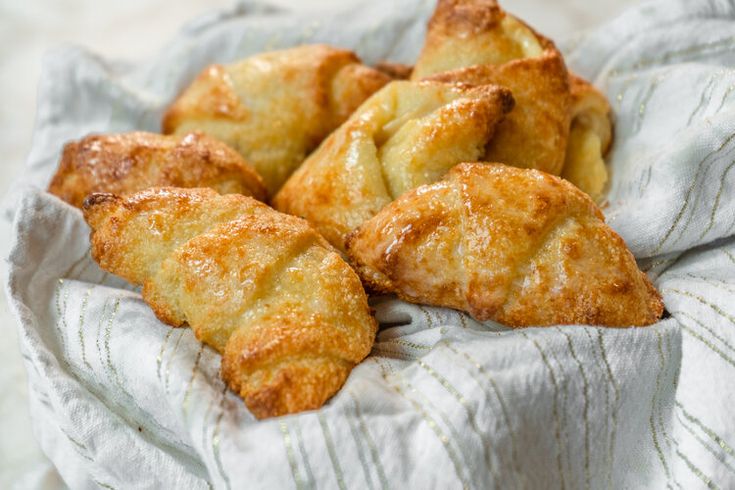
[(121, 400)]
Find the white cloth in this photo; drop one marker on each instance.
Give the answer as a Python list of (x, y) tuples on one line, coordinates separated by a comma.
[(122, 401)]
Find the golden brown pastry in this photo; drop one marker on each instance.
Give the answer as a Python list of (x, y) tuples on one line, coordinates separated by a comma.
[(406, 135), (264, 289), (275, 108), (130, 162), (589, 139), (476, 42), (517, 246), (396, 71)]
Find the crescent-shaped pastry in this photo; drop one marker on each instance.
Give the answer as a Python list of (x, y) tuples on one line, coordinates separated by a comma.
[(275, 108), (517, 246), (476, 42), (589, 139), (406, 135), (264, 289), (130, 162)]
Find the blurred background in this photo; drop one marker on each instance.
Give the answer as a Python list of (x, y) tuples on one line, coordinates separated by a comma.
[(131, 30)]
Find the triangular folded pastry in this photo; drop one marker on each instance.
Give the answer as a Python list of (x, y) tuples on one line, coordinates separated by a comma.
[(275, 108), (288, 315), (476, 42), (130, 162), (406, 135), (517, 246)]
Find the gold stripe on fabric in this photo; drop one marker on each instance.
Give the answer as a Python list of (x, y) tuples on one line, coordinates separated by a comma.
[(374, 454), (406, 343), (706, 95), (332, 452), (167, 374), (361, 454), (443, 438), (429, 319), (729, 255), (471, 416), (81, 448), (216, 439), (707, 480), (290, 455), (108, 333), (718, 197), (719, 456), (389, 351), (651, 420), (616, 402), (715, 283), (61, 325), (438, 432), (498, 395), (687, 197), (304, 455), (724, 97), (647, 98), (705, 327), (103, 485), (666, 363), (608, 409), (555, 406), (709, 344), (205, 421), (717, 439), (104, 314), (585, 407), (564, 386), (82, 313), (704, 302), (190, 384), (159, 358)]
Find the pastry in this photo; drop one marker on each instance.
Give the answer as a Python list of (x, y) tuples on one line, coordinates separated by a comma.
[(589, 139), (264, 289), (561, 124), (275, 108), (517, 246), (475, 41), (406, 135), (130, 162)]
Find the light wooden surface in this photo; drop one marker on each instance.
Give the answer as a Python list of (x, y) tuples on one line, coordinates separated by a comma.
[(135, 30)]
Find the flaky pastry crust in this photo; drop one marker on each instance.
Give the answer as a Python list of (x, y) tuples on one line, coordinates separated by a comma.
[(130, 162), (589, 139), (406, 135), (275, 108), (494, 47), (264, 289), (517, 246)]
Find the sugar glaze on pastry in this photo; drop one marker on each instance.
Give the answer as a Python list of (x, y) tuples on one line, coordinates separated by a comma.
[(288, 315), (517, 246), (406, 135), (275, 108), (130, 162)]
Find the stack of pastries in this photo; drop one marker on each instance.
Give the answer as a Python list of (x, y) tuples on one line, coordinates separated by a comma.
[(468, 181)]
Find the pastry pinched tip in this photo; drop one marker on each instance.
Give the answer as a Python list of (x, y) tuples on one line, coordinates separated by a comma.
[(98, 198)]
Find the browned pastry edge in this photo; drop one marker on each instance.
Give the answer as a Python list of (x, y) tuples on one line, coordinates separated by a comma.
[(378, 276), (122, 163), (397, 71), (281, 361)]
